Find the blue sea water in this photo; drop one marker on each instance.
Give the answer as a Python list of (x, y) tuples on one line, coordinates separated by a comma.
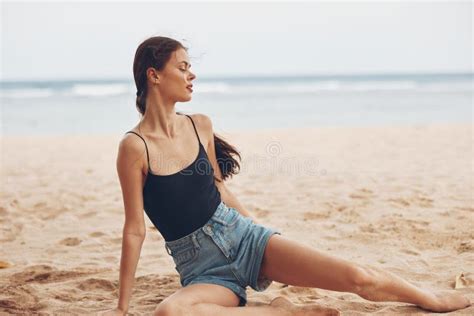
[(241, 103)]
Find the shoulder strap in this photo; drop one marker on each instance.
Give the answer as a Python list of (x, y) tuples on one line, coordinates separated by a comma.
[(194, 127), (146, 147)]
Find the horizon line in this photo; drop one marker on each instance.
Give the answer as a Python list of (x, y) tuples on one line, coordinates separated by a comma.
[(254, 76)]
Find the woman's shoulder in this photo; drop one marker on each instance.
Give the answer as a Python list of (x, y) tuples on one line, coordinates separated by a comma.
[(131, 145), (203, 125), (204, 122)]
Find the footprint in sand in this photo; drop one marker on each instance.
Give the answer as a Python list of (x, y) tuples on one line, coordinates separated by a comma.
[(152, 289), (362, 197), (157, 287), (422, 201), (363, 194), (417, 225), (418, 200), (116, 240), (44, 274), (368, 228), (96, 234), (70, 241), (399, 202), (20, 300), (40, 205), (465, 246), (308, 216), (334, 206), (93, 284)]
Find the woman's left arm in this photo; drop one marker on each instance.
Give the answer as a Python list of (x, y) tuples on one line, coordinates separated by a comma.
[(227, 196)]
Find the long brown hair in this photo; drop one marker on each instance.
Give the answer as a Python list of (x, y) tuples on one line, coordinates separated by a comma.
[(155, 52)]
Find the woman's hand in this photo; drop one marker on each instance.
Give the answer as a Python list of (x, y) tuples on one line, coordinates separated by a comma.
[(112, 312)]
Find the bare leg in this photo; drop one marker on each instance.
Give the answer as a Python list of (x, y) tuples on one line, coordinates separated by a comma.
[(212, 299), (386, 286), (294, 263), (278, 307)]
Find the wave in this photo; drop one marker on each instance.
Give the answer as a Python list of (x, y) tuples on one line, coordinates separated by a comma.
[(27, 93), (93, 89), (74, 90), (332, 86)]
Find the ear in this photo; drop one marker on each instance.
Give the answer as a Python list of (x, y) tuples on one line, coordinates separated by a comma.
[(153, 75)]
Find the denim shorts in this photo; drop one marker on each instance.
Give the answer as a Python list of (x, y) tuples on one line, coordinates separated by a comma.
[(228, 251)]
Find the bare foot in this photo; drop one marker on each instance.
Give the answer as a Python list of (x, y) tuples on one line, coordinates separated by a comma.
[(446, 301), (309, 310)]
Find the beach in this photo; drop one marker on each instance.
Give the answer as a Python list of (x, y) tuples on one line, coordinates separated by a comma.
[(399, 197)]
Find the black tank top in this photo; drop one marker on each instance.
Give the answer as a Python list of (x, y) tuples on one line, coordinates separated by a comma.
[(179, 203)]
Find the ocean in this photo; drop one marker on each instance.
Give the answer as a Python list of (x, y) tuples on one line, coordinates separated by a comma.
[(242, 103)]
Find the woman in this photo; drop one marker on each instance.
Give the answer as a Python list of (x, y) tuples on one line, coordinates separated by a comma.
[(218, 248)]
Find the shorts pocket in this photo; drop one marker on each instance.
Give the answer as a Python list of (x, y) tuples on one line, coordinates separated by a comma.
[(185, 256)]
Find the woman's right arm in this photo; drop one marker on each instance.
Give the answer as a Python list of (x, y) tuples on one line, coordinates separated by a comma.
[(129, 168)]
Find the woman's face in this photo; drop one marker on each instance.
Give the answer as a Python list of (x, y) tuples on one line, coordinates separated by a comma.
[(175, 79)]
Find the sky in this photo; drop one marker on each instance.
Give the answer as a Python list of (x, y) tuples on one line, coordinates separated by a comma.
[(91, 40)]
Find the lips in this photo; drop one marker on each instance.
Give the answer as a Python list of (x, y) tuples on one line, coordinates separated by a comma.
[(190, 87)]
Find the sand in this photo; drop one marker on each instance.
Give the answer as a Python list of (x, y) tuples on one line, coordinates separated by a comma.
[(398, 197)]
